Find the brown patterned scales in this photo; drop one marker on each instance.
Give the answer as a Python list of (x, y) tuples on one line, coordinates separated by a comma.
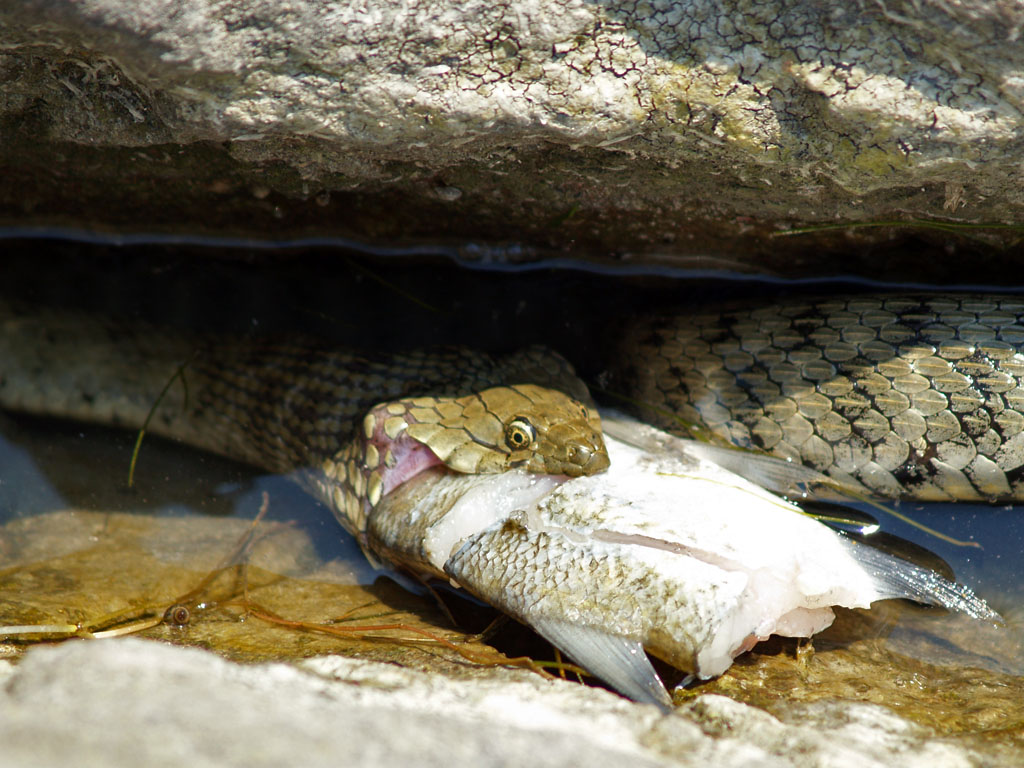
[(906, 396), (357, 424)]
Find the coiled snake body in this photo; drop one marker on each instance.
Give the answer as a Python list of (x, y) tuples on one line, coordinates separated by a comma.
[(916, 396), (905, 396)]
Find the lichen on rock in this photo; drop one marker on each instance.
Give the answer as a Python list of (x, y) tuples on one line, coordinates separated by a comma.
[(661, 127)]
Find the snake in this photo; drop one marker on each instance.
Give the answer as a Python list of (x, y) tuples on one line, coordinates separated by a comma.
[(912, 396), (354, 424), (905, 396)]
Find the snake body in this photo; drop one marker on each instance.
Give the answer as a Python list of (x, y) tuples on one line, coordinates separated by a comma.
[(905, 396), (909, 396), (358, 424)]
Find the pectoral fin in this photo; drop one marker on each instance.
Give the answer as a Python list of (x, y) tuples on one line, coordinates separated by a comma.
[(617, 660)]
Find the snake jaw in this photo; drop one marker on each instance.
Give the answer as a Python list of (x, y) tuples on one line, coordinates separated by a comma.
[(540, 430), (576, 456)]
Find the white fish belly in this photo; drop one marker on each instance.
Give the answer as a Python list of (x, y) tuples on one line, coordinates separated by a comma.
[(678, 554)]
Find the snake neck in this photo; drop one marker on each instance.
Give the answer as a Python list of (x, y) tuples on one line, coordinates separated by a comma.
[(353, 480), (289, 406)]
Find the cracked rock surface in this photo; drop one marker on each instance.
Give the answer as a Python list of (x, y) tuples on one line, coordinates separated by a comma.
[(661, 129), (131, 702)]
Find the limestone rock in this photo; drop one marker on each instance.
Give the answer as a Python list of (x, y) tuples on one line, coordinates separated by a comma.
[(131, 702), (668, 128)]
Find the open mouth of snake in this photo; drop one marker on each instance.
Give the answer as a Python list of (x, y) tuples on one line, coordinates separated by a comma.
[(403, 459), (496, 430)]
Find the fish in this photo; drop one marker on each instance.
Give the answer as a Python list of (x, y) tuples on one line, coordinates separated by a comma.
[(666, 553)]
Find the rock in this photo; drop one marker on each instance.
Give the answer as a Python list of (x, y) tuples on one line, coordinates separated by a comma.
[(131, 702), (661, 130)]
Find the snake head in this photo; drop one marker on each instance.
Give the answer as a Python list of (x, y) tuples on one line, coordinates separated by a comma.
[(535, 428), (523, 426), (544, 431)]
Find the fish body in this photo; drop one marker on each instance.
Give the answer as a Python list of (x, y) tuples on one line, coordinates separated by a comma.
[(665, 552)]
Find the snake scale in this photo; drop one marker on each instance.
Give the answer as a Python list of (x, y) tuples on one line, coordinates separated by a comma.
[(909, 396), (904, 396), (359, 424)]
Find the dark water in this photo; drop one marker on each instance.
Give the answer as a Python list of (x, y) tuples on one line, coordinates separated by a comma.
[(995, 567), (53, 465), (367, 302)]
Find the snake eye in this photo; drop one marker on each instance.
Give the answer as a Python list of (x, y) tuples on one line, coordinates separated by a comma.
[(520, 434)]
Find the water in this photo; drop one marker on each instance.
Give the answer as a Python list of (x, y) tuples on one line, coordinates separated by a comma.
[(994, 567), (51, 465), (78, 547)]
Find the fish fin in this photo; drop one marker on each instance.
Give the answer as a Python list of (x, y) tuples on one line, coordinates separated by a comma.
[(617, 660), (895, 577), (788, 478), (847, 519), (904, 549)]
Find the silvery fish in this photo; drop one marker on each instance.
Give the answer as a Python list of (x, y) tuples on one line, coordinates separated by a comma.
[(665, 552)]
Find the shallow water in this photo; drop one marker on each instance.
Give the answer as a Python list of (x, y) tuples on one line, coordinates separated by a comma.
[(88, 551), (995, 569), (187, 509), (83, 549), (52, 465)]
